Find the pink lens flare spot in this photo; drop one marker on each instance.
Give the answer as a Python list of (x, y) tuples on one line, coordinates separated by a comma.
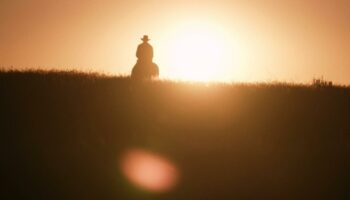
[(149, 171)]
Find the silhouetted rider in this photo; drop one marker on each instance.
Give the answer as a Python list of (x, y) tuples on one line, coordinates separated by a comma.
[(144, 51), (144, 68)]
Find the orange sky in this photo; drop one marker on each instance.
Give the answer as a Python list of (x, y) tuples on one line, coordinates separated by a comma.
[(291, 40)]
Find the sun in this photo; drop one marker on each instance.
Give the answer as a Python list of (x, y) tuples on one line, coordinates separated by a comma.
[(199, 52)]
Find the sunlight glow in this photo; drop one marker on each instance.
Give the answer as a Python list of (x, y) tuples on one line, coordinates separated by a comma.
[(199, 52)]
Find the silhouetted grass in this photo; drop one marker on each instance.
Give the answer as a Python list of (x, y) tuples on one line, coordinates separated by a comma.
[(62, 135)]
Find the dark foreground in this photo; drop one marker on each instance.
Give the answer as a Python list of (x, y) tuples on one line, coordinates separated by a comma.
[(63, 134)]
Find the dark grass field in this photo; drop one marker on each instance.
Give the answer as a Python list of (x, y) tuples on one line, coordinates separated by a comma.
[(63, 134)]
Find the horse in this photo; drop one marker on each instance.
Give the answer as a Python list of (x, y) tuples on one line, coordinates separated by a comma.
[(145, 70)]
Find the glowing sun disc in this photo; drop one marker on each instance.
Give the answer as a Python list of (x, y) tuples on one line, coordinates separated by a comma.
[(199, 52)]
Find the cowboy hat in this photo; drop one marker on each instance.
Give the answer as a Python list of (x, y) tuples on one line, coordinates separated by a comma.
[(145, 38)]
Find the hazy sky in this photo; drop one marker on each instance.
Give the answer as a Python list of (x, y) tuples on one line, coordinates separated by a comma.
[(291, 40)]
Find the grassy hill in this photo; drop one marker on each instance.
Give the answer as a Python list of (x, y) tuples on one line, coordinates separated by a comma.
[(63, 134)]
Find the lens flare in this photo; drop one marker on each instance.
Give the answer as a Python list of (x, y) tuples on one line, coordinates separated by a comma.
[(149, 171)]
